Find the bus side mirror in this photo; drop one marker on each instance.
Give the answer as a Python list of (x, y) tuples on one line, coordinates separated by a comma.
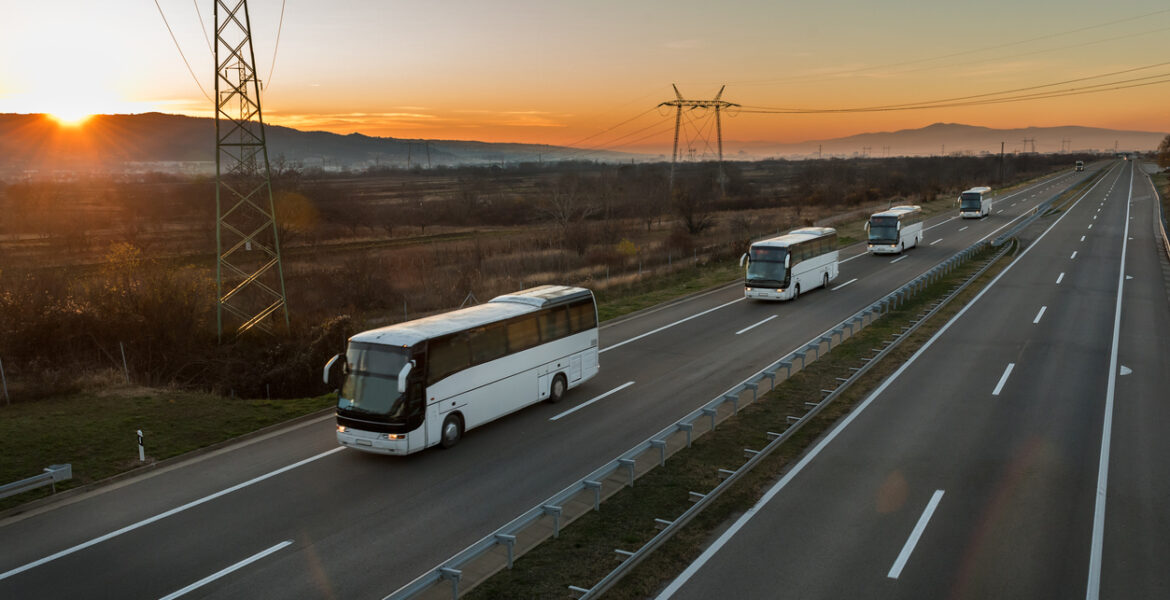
[(867, 225), (743, 258), (402, 376), (787, 260), (328, 367), (899, 226)]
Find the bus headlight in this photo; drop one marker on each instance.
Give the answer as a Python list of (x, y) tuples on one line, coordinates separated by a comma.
[(396, 436), (341, 429)]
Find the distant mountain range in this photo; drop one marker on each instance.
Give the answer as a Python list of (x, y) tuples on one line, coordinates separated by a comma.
[(162, 142), (156, 141), (954, 138)]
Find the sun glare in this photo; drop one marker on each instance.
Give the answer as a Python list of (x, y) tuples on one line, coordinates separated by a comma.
[(70, 118)]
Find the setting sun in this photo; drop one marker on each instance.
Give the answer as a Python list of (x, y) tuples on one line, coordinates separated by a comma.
[(70, 118)]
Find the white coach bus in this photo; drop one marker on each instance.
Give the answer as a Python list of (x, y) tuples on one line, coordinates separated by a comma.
[(782, 267), (425, 382), (892, 231), (975, 203)]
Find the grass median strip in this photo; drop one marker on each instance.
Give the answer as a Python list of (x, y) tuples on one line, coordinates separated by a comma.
[(585, 552)]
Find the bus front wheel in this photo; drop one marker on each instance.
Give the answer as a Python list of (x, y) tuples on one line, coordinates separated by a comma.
[(452, 431), (556, 391)]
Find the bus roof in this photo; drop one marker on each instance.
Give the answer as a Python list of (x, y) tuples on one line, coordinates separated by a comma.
[(898, 211), (499, 308), (978, 190), (796, 236)]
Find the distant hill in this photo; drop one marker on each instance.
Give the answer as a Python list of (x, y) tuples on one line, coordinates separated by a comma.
[(156, 141), (952, 138)]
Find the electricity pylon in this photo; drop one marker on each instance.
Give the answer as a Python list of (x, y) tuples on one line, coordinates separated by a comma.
[(249, 277), (679, 103)]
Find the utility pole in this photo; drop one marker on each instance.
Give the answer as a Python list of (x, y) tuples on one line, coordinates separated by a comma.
[(249, 276), (1001, 163), (679, 103), (428, 142)]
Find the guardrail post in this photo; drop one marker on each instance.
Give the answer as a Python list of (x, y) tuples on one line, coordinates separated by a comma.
[(510, 542), (800, 355), (771, 375), (710, 412), (596, 487), (733, 398), (787, 364), (828, 339), (816, 347), (754, 387), (628, 463), (452, 575), (555, 511), (661, 445), (689, 428)]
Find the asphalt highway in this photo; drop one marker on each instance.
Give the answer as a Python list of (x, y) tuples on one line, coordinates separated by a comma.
[(1021, 454), (291, 514)]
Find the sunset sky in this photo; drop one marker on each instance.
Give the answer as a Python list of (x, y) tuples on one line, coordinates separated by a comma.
[(567, 72)]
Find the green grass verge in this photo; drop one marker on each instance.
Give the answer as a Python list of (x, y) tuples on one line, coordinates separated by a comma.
[(584, 552), (96, 432)]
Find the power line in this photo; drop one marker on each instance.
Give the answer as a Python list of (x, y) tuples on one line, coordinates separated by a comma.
[(203, 26), (184, 57), (959, 101), (840, 73), (279, 27)]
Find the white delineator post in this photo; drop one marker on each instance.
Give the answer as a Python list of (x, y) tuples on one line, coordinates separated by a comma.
[(141, 449)]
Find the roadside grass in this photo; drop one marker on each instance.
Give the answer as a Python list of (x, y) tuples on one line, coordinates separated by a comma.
[(96, 431), (1162, 184), (584, 552)]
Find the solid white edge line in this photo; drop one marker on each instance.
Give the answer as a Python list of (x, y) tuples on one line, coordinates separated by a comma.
[(936, 241), (161, 516), (751, 327), (222, 572), (1039, 315), (1003, 378), (1059, 278), (668, 326), (587, 403), (1093, 589), (722, 540), (843, 285), (898, 259), (912, 541)]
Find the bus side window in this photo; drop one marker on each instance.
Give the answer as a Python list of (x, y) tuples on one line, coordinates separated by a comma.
[(554, 324), (488, 343), (523, 333), (582, 317), (448, 355)]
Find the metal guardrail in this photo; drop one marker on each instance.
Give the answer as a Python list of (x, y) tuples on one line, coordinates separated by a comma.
[(51, 476), (499, 549)]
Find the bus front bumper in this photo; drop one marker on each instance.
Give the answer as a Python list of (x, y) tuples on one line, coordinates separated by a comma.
[(884, 248), (368, 441)]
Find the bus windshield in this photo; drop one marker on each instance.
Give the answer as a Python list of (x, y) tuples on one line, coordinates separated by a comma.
[(766, 267), (371, 382), (970, 202), (883, 230)]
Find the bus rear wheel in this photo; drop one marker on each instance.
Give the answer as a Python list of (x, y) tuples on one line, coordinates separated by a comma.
[(452, 431), (556, 391)]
